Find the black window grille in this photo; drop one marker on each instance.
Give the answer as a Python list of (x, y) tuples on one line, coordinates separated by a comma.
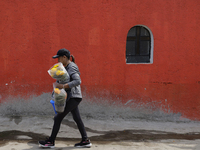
[(138, 45)]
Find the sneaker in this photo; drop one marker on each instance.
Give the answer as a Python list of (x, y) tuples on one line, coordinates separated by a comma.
[(47, 143), (83, 143)]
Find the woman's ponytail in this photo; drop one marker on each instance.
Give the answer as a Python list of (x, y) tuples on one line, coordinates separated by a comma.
[(73, 59)]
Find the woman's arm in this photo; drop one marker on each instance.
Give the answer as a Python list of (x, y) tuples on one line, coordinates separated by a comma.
[(76, 80)]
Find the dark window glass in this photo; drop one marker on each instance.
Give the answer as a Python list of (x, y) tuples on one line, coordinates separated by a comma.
[(138, 45)]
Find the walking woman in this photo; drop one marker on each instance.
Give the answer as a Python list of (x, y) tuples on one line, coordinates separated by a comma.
[(74, 97)]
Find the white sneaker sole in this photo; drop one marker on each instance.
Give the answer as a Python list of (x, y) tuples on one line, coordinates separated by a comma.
[(86, 146), (46, 146)]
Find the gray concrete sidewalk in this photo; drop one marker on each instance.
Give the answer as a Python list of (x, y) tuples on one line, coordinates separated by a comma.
[(22, 133)]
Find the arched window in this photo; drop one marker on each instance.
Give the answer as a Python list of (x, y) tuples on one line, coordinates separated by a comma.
[(139, 45)]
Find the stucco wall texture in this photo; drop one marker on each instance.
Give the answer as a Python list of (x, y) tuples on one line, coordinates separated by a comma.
[(31, 32)]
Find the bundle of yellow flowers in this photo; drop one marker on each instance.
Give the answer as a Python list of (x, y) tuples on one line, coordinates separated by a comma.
[(60, 99), (59, 73)]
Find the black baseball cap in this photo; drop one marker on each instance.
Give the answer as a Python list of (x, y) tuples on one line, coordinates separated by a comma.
[(62, 52)]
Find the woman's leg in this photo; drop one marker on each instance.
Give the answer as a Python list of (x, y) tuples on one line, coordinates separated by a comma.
[(85, 142), (78, 120), (70, 105)]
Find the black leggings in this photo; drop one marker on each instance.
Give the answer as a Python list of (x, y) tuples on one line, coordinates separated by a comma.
[(71, 106)]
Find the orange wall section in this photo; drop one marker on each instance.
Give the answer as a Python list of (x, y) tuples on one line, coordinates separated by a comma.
[(31, 32)]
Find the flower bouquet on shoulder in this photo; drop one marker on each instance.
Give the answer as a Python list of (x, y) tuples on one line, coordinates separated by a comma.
[(59, 73)]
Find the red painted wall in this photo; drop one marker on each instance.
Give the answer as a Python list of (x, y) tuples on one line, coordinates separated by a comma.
[(31, 31)]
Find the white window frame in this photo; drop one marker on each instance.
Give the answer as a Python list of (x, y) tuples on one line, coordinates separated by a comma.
[(152, 45)]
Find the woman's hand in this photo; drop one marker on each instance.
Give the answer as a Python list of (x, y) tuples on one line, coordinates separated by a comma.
[(57, 85), (60, 86)]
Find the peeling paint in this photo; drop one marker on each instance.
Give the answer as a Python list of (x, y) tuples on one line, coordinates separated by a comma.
[(101, 110)]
